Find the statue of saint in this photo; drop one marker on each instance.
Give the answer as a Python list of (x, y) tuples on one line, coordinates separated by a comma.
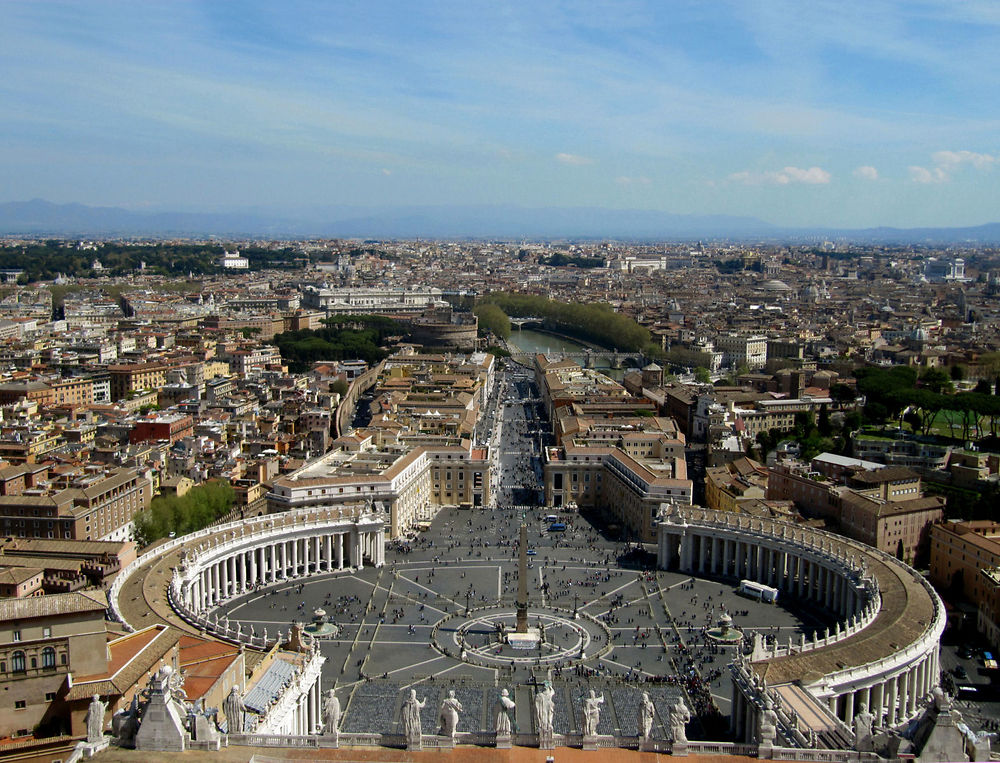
[(646, 714), (545, 708), (331, 713), (767, 729), (95, 720), (411, 715), (592, 713), (504, 705), (450, 708), (864, 723), (679, 717), (234, 710)]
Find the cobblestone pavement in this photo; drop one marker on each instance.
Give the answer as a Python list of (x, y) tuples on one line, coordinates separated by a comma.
[(648, 632)]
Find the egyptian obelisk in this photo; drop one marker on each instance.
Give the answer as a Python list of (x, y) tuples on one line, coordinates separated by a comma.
[(522, 581)]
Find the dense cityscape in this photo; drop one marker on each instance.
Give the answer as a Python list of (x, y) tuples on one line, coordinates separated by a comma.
[(238, 491), (508, 382)]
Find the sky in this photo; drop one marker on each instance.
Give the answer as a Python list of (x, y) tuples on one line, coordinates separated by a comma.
[(846, 114)]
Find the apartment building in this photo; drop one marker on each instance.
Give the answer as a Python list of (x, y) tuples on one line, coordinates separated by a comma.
[(743, 349), (409, 483), (42, 641), (94, 504), (965, 561)]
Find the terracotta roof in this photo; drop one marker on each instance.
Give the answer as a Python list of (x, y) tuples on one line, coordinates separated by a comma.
[(132, 656), (93, 600)]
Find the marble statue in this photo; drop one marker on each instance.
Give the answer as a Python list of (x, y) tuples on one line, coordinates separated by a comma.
[(125, 723), (234, 710), (545, 708), (864, 722), (95, 720), (450, 708), (411, 715), (331, 713), (679, 717), (767, 725), (646, 714), (504, 705), (592, 713)]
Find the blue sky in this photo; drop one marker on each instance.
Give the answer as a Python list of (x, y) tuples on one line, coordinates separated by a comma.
[(800, 113)]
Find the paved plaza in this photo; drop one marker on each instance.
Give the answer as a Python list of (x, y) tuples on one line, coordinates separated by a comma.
[(430, 619)]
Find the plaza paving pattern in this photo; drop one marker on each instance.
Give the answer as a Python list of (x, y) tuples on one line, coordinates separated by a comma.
[(642, 629)]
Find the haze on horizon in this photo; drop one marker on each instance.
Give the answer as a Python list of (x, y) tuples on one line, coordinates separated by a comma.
[(801, 114)]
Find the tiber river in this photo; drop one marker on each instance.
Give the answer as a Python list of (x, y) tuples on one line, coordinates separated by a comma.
[(529, 340)]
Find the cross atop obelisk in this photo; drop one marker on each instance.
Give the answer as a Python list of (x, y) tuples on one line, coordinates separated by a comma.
[(522, 580)]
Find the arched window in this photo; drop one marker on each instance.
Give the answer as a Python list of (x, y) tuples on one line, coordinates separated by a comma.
[(17, 662), (34, 663), (62, 658), (48, 657)]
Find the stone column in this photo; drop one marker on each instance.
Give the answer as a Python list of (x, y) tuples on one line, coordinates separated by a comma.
[(893, 700), (253, 566), (295, 557), (328, 546), (877, 705), (715, 555), (213, 584), (340, 550), (272, 573), (849, 707), (911, 692)]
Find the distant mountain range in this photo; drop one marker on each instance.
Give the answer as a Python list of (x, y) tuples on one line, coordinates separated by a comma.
[(43, 218)]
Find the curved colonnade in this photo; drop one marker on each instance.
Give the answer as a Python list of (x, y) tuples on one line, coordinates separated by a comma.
[(883, 650), (229, 560), (211, 565)]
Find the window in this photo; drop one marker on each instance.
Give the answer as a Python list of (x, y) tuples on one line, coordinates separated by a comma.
[(48, 657), (50, 696), (17, 662), (16, 636)]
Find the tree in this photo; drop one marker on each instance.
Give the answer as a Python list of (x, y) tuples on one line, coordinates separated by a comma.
[(841, 394), (935, 380), (702, 375), (823, 425), (340, 387), (957, 372), (198, 508), (492, 320)]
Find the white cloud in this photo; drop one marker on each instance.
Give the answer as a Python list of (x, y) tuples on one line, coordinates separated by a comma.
[(924, 175), (866, 172), (574, 159), (948, 162), (640, 180), (786, 176), (955, 158), (386, 171)]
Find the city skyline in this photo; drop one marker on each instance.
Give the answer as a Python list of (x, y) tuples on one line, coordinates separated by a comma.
[(825, 115)]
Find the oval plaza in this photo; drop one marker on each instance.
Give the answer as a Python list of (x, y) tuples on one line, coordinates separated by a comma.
[(878, 656)]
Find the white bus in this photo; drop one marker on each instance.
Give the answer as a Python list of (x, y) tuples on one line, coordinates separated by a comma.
[(758, 591)]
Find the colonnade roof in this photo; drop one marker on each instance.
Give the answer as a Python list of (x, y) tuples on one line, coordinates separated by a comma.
[(907, 611)]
